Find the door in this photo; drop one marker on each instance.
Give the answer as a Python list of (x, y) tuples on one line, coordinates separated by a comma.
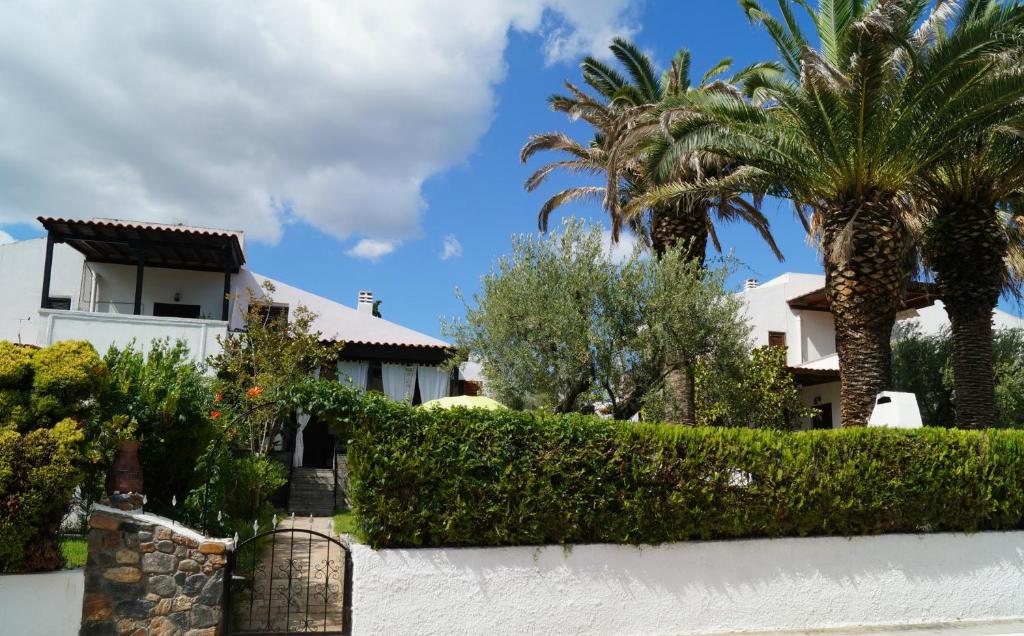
[(823, 418), (317, 446)]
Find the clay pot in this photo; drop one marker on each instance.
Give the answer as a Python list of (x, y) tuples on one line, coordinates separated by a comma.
[(125, 474)]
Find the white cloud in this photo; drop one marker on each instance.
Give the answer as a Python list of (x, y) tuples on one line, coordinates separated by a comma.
[(5, 237), (451, 248), (623, 249), (254, 115), (372, 249)]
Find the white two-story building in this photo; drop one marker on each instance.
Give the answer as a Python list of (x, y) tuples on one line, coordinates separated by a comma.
[(114, 282), (791, 310)]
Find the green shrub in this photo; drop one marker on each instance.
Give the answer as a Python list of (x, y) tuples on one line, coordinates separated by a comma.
[(14, 408), (473, 477), (167, 398), (67, 377), (240, 488), (38, 473), (15, 365)]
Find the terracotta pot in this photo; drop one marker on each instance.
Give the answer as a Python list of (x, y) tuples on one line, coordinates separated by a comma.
[(125, 474)]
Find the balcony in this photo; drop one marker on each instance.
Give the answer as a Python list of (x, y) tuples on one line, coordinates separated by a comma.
[(106, 329)]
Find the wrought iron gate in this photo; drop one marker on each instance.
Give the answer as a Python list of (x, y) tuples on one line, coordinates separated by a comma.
[(289, 581)]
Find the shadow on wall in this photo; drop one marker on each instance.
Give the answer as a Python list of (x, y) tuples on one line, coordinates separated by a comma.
[(698, 587)]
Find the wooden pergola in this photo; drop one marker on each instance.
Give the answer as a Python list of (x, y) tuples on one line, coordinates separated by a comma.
[(142, 245), (917, 295)]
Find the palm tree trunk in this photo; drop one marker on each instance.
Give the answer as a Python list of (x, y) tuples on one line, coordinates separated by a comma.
[(966, 248), (974, 386), (865, 267), (671, 227)]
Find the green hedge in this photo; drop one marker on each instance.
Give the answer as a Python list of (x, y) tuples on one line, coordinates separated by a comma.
[(461, 477)]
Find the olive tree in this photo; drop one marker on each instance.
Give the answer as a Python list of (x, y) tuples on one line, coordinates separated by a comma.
[(560, 324)]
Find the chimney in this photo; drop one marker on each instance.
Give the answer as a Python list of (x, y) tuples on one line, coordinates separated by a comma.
[(365, 304), (750, 284)]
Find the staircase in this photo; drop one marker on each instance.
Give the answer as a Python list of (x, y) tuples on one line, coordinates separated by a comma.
[(312, 492)]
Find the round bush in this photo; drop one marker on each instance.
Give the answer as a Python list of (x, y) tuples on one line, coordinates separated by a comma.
[(15, 365)]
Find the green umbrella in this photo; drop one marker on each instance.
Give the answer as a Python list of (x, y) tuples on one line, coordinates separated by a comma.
[(465, 401)]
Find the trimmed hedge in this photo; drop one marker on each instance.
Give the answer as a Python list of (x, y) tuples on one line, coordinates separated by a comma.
[(471, 477)]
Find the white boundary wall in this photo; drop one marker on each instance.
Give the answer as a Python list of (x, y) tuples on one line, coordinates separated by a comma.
[(690, 588), (46, 604)]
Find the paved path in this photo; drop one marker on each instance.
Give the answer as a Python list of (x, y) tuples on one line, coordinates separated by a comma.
[(297, 581)]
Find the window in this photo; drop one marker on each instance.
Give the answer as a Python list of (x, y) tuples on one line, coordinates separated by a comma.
[(776, 338), (270, 314), (58, 302), (176, 310)]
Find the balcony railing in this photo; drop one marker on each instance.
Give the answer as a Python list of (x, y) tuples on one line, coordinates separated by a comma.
[(106, 329)]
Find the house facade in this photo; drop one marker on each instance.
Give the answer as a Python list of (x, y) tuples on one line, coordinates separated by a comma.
[(791, 310), (114, 282)]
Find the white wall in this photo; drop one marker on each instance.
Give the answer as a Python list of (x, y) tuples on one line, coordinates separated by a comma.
[(827, 393), (116, 285), (767, 310), (21, 284), (689, 588), (47, 604), (104, 330), (818, 334)]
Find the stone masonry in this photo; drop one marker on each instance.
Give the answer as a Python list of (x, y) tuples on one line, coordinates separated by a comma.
[(147, 576)]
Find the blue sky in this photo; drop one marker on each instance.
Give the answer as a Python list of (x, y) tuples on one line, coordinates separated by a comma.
[(481, 201), (341, 132)]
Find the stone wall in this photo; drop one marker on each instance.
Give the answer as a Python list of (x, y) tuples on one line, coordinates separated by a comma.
[(147, 576)]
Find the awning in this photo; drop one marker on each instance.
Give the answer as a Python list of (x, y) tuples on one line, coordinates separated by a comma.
[(917, 295), (171, 246)]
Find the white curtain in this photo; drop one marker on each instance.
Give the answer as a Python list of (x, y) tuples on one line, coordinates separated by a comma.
[(399, 381), (434, 382), (302, 419), (353, 373)]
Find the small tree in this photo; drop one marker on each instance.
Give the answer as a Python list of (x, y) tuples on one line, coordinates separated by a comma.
[(559, 324), (260, 378), (756, 391), (261, 367)]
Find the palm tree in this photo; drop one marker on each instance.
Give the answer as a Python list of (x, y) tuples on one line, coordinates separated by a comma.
[(844, 136), (625, 116), (965, 238)]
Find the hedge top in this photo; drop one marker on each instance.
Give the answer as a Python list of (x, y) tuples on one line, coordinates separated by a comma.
[(473, 477)]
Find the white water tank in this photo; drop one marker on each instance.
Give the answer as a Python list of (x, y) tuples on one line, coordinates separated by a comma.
[(896, 410)]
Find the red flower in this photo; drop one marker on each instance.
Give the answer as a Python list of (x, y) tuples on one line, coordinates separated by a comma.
[(254, 392), (214, 415), (217, 397)]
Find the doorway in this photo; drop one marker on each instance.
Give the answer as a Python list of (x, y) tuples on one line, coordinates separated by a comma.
[(823, 418), (317, 446)]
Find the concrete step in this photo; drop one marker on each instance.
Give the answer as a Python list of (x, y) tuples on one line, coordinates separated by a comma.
[(312, 491)]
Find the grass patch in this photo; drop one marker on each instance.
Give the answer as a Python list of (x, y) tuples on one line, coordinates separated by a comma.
[(74, 551), (345, 523)]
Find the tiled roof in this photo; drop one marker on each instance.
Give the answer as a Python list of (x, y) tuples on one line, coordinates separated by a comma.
[(337, 322)]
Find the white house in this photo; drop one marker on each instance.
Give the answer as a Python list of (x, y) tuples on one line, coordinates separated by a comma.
[(112, 282), (791, 310)]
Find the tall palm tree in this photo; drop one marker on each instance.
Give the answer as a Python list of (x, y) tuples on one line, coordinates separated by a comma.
[(844, 135), (624, 114), (965, 239)]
